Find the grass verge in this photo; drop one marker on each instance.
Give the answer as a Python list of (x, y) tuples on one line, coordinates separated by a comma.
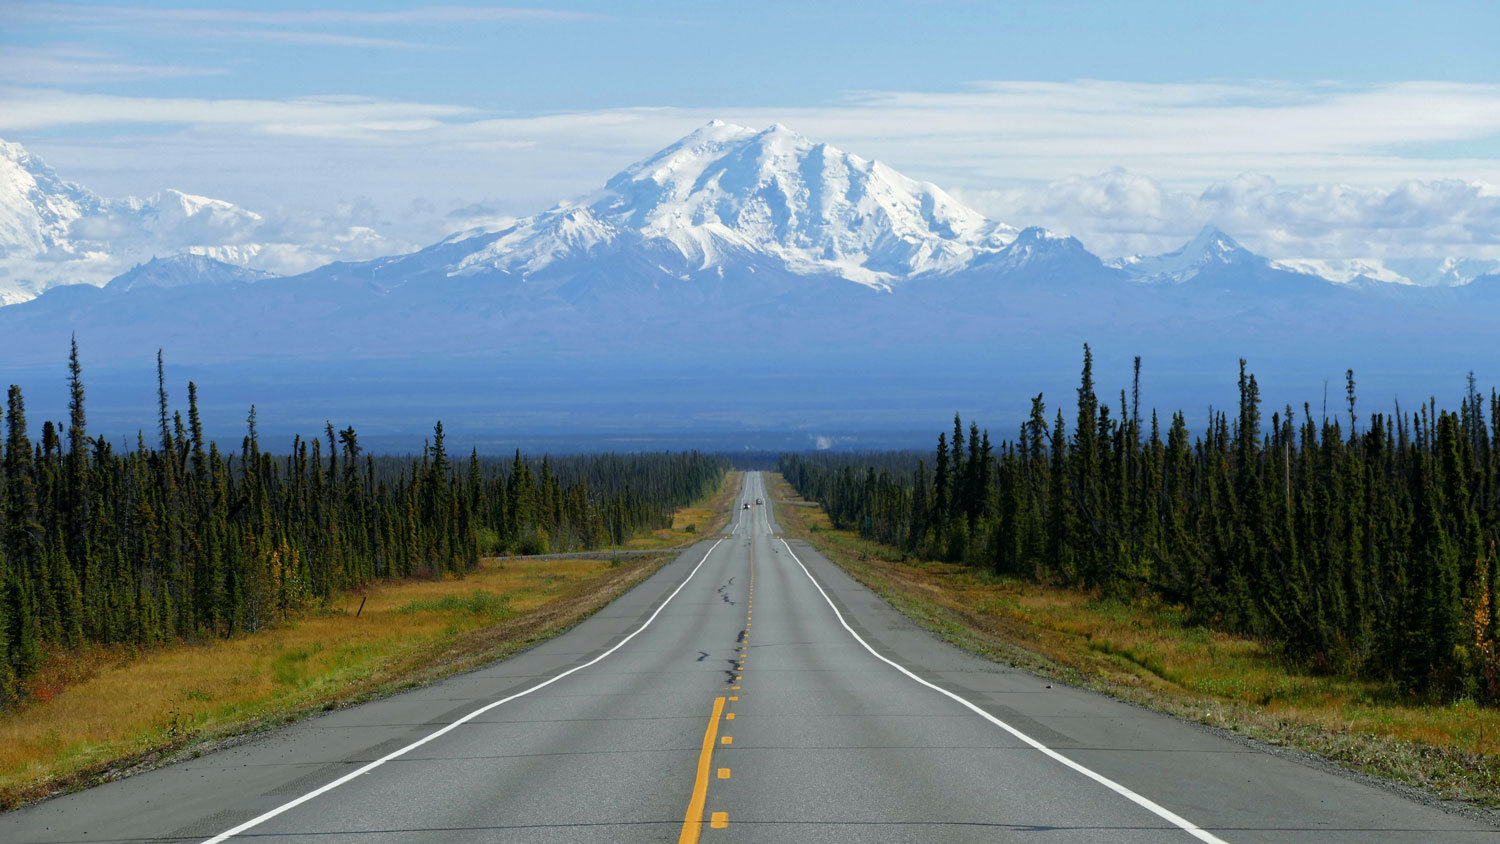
[(99, 713), (1146, 652), (117, 712)]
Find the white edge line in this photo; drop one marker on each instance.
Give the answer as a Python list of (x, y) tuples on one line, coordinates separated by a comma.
[(1146, 803), (256, 821)]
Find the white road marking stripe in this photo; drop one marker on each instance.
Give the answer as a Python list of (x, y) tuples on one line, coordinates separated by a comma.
[(1157, 809), (257, 821)]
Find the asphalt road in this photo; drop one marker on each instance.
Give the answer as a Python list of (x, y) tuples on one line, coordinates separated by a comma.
[(748, 691)]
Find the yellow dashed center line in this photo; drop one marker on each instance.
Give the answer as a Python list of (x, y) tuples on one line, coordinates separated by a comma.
[(692, 824)]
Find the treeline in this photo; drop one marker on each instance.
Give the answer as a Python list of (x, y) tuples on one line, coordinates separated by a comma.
[(1358, 544), (179, 539)]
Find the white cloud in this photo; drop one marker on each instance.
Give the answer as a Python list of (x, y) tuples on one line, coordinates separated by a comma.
[(1119, 212), (1187, 132), (64, 63), (23, 109), (1000, 130)]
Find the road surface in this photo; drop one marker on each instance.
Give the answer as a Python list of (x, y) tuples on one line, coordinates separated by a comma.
[(748, 691)]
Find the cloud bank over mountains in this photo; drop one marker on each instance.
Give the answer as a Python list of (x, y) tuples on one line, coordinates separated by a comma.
[(1120, 212)]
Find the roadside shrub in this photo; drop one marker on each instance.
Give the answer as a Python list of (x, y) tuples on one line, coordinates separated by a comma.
[(533, 543), (489, 541)]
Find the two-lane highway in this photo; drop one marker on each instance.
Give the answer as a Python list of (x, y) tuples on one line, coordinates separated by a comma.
[(748, 691)]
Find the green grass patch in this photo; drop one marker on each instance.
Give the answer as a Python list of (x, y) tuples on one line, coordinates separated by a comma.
[(479, 603)]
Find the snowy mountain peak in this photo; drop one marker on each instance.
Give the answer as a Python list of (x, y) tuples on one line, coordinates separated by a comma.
[(1212, 243), (19, 156), (726, 190), (183, 269), (36, 206), (1038, 250), (1037, 234), (1210, 248), (1035, 242)]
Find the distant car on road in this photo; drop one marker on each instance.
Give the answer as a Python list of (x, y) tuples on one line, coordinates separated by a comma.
[(757, 501), (747, 505)]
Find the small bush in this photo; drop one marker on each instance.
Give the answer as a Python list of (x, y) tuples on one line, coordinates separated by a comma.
[(489, 541), (532, 544)]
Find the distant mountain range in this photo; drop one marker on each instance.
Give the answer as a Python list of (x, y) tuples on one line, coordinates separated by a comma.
[(733, 245), (723, 198)]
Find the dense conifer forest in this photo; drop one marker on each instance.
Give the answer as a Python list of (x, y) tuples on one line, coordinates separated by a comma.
[(178, 539), (1358, 544)]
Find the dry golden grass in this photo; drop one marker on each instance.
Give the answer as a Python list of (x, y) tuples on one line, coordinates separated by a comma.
[(109, 704), (691, 523), (100, 711), (1148, 653)]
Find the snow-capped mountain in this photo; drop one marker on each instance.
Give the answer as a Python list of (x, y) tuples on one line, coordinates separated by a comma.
[(1417, 272), (1213, 260), (37, 207), (1042, 253), (726, 192), (184, 269), (56, 232), (1210, 250)]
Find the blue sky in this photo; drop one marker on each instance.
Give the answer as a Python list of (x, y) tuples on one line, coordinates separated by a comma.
[(616, 54), (1080, 116)]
